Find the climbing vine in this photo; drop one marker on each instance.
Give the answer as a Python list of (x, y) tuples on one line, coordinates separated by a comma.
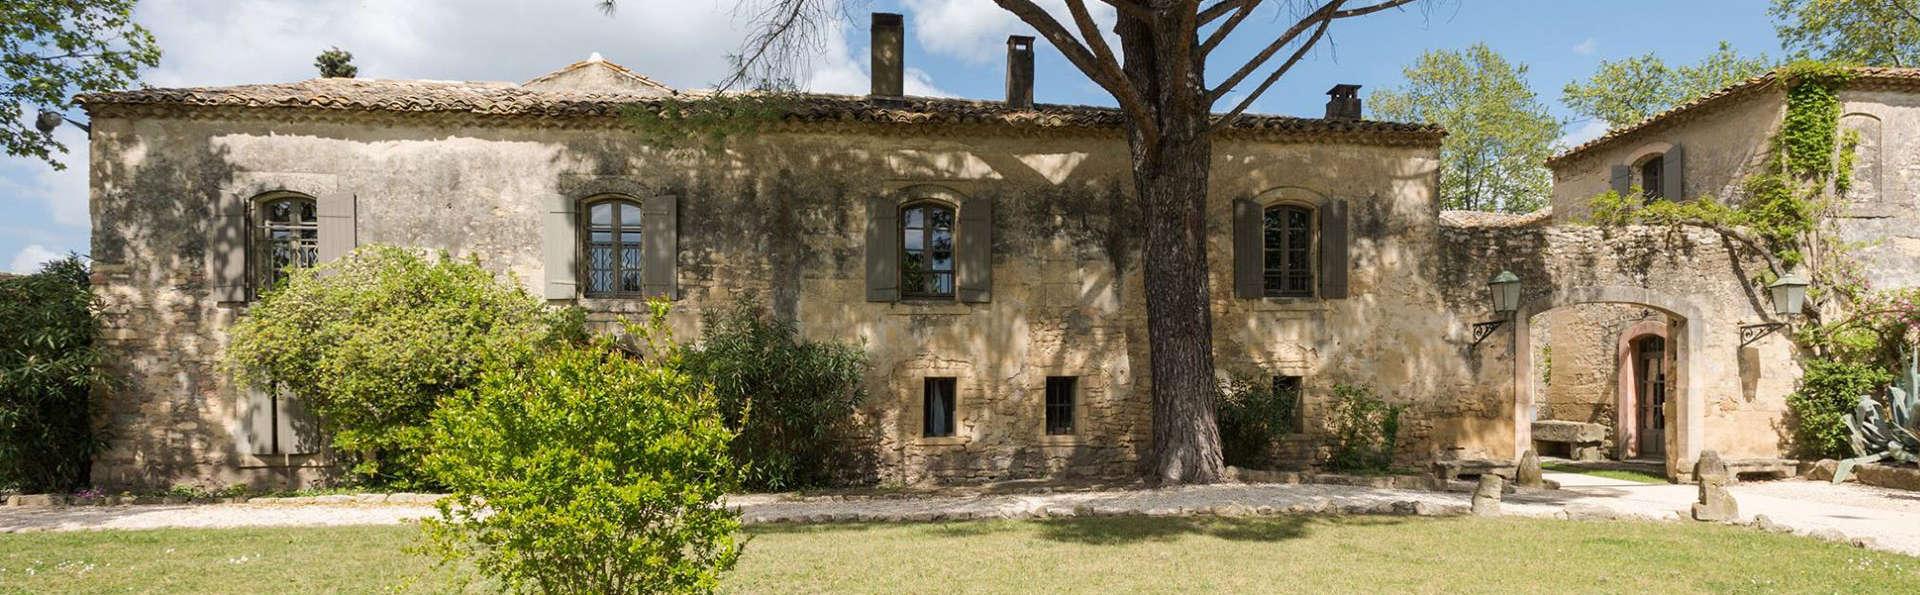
[(708, 121)]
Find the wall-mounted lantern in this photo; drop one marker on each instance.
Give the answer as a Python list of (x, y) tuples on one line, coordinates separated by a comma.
[(1789, 296), (1505, 291), (48, 120)]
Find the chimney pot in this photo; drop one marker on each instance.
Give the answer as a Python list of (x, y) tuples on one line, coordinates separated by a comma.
[(888, 48), (1343, 102), (1019, 71)]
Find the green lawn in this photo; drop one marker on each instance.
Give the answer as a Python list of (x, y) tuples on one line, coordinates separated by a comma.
[(1621, 474), (1310, 554)]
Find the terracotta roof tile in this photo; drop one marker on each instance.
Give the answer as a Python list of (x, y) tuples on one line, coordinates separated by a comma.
[(496, 98), (1863, 76)]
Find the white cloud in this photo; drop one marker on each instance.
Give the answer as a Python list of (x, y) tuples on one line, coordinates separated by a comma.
[(976, 30), (29, 259), (1586, 48), (61, 193), (1592, 129)]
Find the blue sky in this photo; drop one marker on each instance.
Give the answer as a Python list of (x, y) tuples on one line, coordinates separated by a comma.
[(955, 47)]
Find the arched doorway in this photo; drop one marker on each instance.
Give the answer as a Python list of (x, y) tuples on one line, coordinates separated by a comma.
[(1643, 374)]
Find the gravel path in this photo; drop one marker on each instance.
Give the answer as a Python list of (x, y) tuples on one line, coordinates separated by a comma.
[(1882, 519)]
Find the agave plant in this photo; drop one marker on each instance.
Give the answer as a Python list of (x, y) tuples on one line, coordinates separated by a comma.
[(1894, 437)]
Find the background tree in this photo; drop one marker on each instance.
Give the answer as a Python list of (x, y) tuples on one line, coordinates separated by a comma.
[(1871, 32), (336, 63), (52, 49), (1158, 77), (1624, 92), (1499, 135)]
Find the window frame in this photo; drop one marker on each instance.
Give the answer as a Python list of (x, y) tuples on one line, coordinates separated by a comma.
[(926, 256), (1071, 408), (1651, 186), (261, 275), (583, 246), (1297, 384), (951, 407), (1311, 254)]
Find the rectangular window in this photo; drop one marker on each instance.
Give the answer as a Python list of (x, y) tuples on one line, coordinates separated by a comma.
[(1287, 240), (1060, 391), (1286, 394), (937, 408)]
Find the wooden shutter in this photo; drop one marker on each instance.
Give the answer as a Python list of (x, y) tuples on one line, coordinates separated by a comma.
[(1334, 243), (973, 251), (226, 255), (560, 248), (883, 250), (335, 212), (1622, 180), (660, 248), (1673, 173), (1249, 249), (299, 429), (257, 409)]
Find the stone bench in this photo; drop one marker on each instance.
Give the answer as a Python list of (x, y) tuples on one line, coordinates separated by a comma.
[(1574, 440), (1752, 469), (1472, 469)]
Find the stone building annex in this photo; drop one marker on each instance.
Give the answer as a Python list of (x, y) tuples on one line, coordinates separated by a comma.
[(986, 254)]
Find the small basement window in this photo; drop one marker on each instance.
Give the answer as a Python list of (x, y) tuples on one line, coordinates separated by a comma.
[(1286, 394), (1060, 391), (937, 408)]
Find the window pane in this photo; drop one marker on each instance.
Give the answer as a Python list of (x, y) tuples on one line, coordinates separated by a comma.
[(280, 211), (307, 212), (600, 214), (937, 419), (629, 267), (629, 215)]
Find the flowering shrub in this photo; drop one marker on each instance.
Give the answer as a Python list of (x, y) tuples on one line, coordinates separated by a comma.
[(47, 361)]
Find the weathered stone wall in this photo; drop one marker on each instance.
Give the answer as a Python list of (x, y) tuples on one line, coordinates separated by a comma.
[(782, 216), (1720, 143)]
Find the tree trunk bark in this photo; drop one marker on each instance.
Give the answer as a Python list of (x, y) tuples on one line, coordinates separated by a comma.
[(1170, 171)]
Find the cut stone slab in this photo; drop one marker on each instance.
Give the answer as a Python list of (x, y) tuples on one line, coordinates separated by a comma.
[(1888, 476), (1584, 440), (1486, 497)]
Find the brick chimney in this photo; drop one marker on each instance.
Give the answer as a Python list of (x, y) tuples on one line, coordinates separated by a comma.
[(889, 61), (1343, 102), (1019, 71)]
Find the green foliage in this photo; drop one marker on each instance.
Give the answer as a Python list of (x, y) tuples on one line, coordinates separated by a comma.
[(373, 341), (336, 63), (1871, 32), (708, 121), (1809, 133), (1252, 414), (588, 472), (52, 49), (1499, 134), (1365, 429), (788, 401), (1827, 395), (1624, 92), (47, 357)]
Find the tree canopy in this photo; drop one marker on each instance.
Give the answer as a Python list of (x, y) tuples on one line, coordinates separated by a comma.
[(1624, 92), (53, 49), (1869, 32), (336, 63), (1499, 134)]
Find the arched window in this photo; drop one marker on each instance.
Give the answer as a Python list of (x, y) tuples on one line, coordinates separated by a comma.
[(926, 250), (1287, 251), (1651, 181), (613, 248), (286, 236)]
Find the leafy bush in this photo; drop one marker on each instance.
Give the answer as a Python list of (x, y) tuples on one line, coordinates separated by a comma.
[(372, 342), (788, 400), (47, 355), (586, 471), (1817, 412), (1251, 415), (1365, 430)]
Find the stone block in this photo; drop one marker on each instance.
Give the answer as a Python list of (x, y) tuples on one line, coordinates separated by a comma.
[(1886, 476), (1528, 474), (1822, 470), (1716, 504), (1486, 497), (1568, 431)]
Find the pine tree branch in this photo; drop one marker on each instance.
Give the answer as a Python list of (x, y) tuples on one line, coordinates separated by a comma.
[(1105, 73)]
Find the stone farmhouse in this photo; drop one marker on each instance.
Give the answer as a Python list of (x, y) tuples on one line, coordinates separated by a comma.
[(986, 253)]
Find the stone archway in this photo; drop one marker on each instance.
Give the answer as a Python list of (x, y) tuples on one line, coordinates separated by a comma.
[(1684, 338)]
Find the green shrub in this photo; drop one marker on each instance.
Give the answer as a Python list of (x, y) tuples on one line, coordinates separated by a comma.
[(372, 342), (789, 401), (1828, 392), (47, 355), (586, 471), (1252, 414), (1365, 430)]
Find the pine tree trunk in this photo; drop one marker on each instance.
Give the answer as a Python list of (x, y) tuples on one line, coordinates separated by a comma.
[(1170, 179)]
